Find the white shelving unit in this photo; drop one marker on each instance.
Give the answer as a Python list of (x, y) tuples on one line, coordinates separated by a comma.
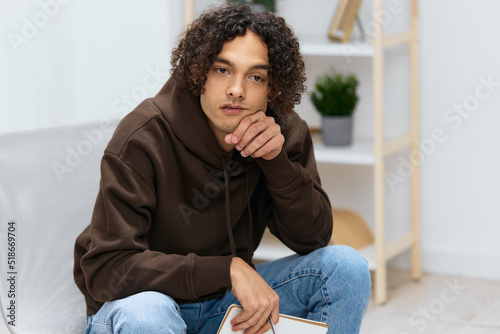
[(322, 46), (372, 152), (359, 153)]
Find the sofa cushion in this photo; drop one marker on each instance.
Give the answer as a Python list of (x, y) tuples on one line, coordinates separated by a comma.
[(49, 180)]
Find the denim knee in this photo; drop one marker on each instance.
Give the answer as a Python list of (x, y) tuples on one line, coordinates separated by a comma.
[(350, 270), (146, 312)]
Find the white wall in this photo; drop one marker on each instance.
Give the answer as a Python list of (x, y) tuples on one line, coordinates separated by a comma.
[(461, 173), (73, 61), (461, 180), (86, 61)]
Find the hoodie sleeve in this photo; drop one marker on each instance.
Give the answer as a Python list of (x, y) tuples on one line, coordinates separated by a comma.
[(119, 263), (301, 211)]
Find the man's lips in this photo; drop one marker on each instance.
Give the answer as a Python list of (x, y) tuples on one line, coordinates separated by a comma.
[(232, 109)]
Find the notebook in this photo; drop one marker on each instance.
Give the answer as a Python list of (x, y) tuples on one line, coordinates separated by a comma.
[(286, 325)]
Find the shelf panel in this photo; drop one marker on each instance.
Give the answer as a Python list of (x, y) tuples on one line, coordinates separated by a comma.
[(271, 251), (322, 46), (360, 152), (271, 248)]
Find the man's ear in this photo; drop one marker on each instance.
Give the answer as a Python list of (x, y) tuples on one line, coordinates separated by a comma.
[(199, 82), (201, 89)]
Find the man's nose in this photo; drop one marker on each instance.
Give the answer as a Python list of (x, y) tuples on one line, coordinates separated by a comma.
[(236, 88)]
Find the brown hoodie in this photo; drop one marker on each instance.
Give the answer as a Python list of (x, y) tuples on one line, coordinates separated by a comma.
[(173, 208)]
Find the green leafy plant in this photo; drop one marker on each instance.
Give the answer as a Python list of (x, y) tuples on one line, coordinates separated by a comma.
[(269, 4), (335, 94)]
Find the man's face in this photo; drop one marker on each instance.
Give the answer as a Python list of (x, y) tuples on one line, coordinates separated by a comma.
[(237, 83)]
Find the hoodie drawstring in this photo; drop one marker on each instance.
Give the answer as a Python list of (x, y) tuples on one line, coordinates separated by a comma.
[(250, 225), (228, 210), (228, 215)]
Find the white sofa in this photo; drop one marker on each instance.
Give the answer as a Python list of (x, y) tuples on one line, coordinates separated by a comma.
[(48, 184), (49, 180)]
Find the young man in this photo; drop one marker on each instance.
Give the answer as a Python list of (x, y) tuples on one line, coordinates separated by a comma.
[(189, 182)]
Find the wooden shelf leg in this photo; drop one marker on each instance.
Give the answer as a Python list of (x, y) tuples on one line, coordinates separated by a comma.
[(188, 12), (381, 284), (416, 271), (379, 168)]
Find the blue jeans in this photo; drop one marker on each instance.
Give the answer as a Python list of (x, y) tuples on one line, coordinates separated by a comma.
[(331, 285)]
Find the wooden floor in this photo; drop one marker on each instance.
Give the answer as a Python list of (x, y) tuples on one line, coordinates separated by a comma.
[(437, 304)]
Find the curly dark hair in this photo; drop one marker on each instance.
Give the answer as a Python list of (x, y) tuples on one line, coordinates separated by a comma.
[(204, 38)]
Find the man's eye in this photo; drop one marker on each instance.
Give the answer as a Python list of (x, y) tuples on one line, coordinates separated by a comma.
[(257, 78), (221, 70)]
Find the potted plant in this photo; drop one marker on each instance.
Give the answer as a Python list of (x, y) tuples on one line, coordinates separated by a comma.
[(335, 98)]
